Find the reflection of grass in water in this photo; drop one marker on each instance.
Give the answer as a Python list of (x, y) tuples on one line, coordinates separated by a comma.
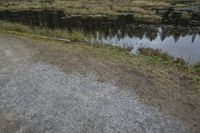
[(73, 35)]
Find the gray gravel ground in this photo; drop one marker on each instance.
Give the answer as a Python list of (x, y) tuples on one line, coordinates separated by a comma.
[(40, 98)]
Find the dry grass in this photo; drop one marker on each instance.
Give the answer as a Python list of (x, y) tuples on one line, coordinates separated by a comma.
[(142, 9), (107, 7)]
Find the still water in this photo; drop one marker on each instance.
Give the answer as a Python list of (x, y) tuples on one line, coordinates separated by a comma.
[(178, 41), (184, 45)]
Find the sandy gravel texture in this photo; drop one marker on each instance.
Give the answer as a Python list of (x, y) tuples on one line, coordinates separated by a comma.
[(40, 98)]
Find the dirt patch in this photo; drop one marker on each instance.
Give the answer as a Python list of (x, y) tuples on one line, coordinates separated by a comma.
[(37, 97), (53, 101), (13, 51), (165, 86)]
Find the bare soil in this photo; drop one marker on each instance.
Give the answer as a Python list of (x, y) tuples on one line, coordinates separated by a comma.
[(166, 97)]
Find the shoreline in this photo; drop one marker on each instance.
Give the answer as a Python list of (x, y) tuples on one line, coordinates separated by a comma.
[(175, 19)]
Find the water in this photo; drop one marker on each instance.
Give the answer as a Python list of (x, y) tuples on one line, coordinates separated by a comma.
[(185, 46), (178, 41)]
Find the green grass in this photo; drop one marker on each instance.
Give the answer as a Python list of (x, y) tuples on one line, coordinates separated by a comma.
[(57, 33), (160, 56)]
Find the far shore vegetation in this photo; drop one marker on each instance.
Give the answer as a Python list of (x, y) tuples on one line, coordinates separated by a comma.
[(142, 9)]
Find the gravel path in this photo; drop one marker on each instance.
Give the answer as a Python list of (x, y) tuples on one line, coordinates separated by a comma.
[(39, 98)]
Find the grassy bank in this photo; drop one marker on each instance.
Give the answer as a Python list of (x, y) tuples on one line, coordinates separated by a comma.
[(76, 36), (73, 36), (142, 9), (157, 79)]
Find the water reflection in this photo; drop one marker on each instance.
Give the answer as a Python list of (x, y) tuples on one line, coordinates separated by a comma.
[(178, 42), (124, 31)]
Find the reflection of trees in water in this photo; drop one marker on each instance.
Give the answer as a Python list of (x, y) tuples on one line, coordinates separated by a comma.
[(193, 38), (137, 32), (150, 32), (176, 33), (163, 35), (176, 38), (106, 26)]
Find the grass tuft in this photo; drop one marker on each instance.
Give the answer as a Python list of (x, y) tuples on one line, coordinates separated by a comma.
[(197, 67)]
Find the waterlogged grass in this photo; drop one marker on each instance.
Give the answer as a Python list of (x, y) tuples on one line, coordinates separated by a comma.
[(57, 33), (160, 56)]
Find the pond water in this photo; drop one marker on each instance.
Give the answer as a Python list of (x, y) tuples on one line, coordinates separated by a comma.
[(183, 45), (178, 41)]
